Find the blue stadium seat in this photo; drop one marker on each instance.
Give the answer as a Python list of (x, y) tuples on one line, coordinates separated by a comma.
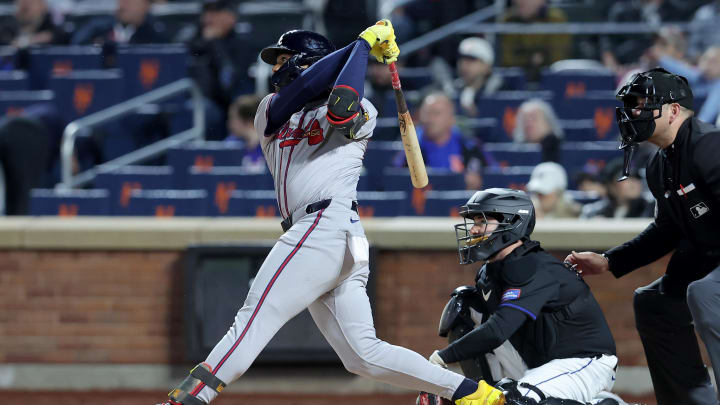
[(167, 203), (364, 182), (123, 181), (398, 179), (82, 92), (575, 84), (14, 80), (593, 105), (513, 77), (201, 154), (584, 131), (220, 182), (445, 203), (416, 78), (515, 177), (61, 60), (587, 156), (148, 67), (69, 203), (514, 154), (379, 155), (503, 107), (14, 102), (382, 203), (252, 203), (484, 129)]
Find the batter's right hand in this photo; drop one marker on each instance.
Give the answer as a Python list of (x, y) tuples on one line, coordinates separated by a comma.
[(380, 33), (588, 262)]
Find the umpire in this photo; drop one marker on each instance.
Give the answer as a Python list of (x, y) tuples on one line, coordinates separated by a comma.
[(684, 178)]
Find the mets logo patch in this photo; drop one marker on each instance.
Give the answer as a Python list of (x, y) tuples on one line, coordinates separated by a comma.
[(511, 294)]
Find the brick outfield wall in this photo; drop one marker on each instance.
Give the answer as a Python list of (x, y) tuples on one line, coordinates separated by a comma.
[(126, 307)]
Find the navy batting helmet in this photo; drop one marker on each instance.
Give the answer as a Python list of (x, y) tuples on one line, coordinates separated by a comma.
[(515, 217), (307, 47)]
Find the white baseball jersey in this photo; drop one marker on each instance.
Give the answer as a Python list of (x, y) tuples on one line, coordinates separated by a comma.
[(308, 161)]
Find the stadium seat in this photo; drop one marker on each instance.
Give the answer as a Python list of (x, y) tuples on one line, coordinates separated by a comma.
[(586, 130), (82, 92), (15, 102), (221, 181), (379, 155), (513, 77), (503, 107), (203, 155), (167, 203), (515, 177), (398, 179), (252, 203), (514, 154), (148, 67), (59, 61), (14, 80), (575, 84), (598, 106), (69, 203), (123, 181), (382, 203), (587, 156), (445, 203)]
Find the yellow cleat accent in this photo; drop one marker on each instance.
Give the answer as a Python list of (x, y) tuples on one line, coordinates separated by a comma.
[(485, 395)]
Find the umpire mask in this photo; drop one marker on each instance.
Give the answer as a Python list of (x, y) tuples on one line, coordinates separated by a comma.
[(637, 121), (510, 212)]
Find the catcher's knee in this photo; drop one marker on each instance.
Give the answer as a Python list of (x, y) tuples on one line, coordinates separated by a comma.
[(201, 374)]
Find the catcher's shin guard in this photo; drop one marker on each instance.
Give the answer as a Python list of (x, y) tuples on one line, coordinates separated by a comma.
[(201, 374)]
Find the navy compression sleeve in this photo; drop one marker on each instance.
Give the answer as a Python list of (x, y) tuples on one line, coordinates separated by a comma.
[(353, 73), (315, 80)]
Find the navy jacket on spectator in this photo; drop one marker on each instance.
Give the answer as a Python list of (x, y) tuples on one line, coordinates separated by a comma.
[(102, 30)]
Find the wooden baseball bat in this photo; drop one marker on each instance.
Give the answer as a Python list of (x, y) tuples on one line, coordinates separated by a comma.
[(415, 162)]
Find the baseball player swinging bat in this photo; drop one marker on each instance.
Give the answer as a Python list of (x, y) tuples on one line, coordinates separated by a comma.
[(415, 162)]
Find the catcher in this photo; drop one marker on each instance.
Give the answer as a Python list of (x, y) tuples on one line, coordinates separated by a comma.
[(542, 337)]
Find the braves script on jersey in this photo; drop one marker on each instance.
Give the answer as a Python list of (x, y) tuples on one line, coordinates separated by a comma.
[(308, 161)]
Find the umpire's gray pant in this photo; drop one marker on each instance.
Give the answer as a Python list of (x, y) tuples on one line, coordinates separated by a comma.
[(665, 324)]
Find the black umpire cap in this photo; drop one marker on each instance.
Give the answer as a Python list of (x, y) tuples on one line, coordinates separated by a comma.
[(670, 87)]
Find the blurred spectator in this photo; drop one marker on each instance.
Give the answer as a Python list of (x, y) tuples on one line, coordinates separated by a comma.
[(533, 52), (475, 71), (536, 122), (344, 19), (705, 79), (670, 43), (220, 59), (379, 91), (241, 129), (626, 49), (591, 184), (132, 24), (24, 151), (547, 186), (625, 199), (704, 31), (33, 25), (442, 144)]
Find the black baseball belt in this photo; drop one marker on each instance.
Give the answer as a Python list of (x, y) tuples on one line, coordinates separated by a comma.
[(314, 207)]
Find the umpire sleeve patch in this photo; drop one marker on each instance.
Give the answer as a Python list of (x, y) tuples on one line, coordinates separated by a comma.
[(511, 294)]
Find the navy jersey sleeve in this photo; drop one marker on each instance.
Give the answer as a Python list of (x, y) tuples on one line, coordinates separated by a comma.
[(316, 80)]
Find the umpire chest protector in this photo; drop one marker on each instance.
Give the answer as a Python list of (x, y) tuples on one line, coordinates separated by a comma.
[(681, 193)]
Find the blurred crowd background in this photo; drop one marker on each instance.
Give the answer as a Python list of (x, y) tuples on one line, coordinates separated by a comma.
[(516, 93)]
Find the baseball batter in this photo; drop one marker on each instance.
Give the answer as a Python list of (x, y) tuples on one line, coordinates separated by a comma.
[(314, 130)]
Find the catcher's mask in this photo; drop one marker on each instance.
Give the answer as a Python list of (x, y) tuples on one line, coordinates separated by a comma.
[(307, 47), (637, 122), (511, 211)]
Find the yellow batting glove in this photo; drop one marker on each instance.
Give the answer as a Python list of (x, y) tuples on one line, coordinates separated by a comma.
[(485, 395), (390, 53), (381, 32)]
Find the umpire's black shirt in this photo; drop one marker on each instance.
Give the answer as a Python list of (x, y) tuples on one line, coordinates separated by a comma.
[(684, 178), (545, 309)]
